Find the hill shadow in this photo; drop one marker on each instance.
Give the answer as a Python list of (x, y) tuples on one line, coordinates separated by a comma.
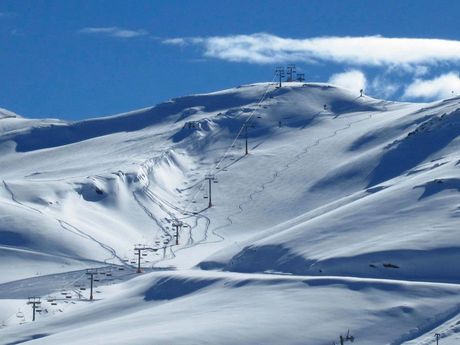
[(437, 186), (403, 155), (171, 288), (58, 135)]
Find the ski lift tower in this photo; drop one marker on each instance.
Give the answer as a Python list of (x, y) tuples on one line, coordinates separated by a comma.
[(138, 248), (210, 179), (246, 127), (348, 337), (35, 303), (279, 71), (437, 335), (290, 72), (178, 226), (91, 273)]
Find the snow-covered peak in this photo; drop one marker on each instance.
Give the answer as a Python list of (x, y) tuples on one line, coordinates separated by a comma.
[(358, 193)]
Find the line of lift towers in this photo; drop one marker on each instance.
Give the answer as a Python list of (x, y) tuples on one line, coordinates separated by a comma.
[(140, 250), (291, 74)]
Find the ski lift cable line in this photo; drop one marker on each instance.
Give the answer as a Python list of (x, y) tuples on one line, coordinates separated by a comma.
[(231, 145), (226, 153), (286, 166), (185, 210), (261, 99), (4, 322), (74, 281), (242, 127), (200, 185), (63, 287), (224, 156)]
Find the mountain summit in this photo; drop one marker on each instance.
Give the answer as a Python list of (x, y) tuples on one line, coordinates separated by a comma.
[(326, 207)]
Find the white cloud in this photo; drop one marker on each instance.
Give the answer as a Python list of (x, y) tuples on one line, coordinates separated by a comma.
[(437, 88), (114, 31), (175, 41), (352, 80), (382, 87), (367, 50), (416, 70), (420, 71)]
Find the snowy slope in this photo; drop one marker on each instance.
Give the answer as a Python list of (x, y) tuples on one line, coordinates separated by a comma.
[(335, 186), (191, 307)]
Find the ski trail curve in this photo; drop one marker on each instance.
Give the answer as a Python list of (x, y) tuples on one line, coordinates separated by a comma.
[(277, 173), (65, 225)]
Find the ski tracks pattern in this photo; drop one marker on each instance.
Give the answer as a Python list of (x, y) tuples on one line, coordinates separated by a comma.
[(277, 173), (67, 226)]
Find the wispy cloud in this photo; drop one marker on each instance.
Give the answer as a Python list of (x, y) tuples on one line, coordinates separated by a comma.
[(443, 86), (114, 31), (263, 48), (353, 80), (384, 87), (176, 41)]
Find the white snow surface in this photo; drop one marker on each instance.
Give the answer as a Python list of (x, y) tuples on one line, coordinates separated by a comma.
[(343, 216)]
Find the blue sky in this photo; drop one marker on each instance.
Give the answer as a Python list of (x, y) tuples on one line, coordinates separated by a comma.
[(80, 59)]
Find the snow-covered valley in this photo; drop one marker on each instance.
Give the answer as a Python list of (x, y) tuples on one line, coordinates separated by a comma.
[(344, 215)]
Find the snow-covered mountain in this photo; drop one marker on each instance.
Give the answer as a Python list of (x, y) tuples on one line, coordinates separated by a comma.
[(344, 215)]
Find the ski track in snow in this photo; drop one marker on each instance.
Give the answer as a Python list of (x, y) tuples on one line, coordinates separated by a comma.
[(296, 159), (195, 215), (147, 168), (13, 197), (65, 225), (145, 171), (104, 246), (260, 189)]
